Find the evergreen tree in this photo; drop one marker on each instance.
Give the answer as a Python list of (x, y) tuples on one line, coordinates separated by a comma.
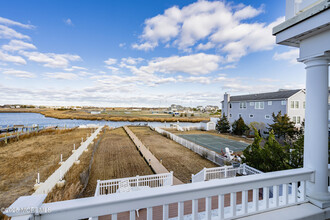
[(239, 127), (223, 125), (283, 128), (252, 154)]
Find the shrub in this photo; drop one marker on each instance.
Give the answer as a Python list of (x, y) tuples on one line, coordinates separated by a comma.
[(223, 125), (239, 127)]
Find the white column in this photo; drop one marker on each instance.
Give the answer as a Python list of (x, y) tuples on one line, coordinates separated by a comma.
[(316, 127)]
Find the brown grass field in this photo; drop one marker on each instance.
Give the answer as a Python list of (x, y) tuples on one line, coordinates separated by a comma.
[(116, 157), (75, 178), (115, 116), (228, 136), (21, 161), (182, 161)]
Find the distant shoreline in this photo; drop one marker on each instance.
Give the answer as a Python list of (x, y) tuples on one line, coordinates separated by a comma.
[(80, 115)]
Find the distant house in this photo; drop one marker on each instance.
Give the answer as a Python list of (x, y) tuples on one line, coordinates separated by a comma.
[(95, 112), (207, 125), (260, 107)]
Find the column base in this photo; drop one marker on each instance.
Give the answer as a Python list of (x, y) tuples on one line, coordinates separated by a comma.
[(321, 200)]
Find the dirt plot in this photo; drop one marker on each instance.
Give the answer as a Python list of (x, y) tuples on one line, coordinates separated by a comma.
[(175, 157), (116, 157), (22, 160)]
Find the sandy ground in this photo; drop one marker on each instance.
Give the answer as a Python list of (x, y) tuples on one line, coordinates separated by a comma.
[(22, 160), (182, 161), (228, 136), (116, 157)]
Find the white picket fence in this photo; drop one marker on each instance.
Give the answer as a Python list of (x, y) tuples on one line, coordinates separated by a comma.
[(57, 176), (204, 152), (104, 187), (223, 172)]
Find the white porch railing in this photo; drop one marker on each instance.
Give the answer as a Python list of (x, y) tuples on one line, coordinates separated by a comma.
[(105, 187), (203, 151), (164, 196), (223, 172)]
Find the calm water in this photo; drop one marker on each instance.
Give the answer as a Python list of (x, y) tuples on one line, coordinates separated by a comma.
[(39, 119)]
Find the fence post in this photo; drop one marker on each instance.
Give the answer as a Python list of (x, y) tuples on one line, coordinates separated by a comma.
[(172, 178), (244, 168), (137, 180), (192, 178), (225, 171), (204, 172)]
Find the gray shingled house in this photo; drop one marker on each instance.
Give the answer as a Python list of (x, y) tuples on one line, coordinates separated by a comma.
[(259, 107)]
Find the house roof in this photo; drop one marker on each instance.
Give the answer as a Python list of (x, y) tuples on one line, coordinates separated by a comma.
[(283, 94)]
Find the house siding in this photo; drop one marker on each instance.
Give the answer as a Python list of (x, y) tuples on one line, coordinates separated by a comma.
[(258, 114), (300, 97)]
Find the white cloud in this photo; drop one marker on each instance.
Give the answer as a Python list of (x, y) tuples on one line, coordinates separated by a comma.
[(68, 22), (131, 61), (290, 56), (15, 45), (122, 45), (113, 69), (9, 33), (10, 58), (19, 73), (145, 46), (222, 26), (206, 46), (195, 64), (9, 22), (51, 60), (60, 75), (110, 61), (196, 79)]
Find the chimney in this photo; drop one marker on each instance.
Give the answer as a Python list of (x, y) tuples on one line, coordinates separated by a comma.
[(225, 107)]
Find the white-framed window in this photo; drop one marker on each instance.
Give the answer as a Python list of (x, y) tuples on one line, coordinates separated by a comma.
[(239, 115), (242, 105), (267, 116), (283, 102), (270, 102), (298, 119), (230, 115), (251, 103), (259, 105), (294, 104), (251, 116), (294, 119)]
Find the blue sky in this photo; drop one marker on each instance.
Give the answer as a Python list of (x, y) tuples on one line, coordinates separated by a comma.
[(141, 53)]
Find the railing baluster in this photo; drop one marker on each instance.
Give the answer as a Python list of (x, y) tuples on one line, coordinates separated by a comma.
[(285, 194), (208, 206), (165, 212), (132, 215), (256, 199), (276, 195), (266, 197), (244, 202), (221, 207), (233, 204), (149, 213), (180, 210), (294, 192), (114, 217), (194, 209), (302, 190)]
